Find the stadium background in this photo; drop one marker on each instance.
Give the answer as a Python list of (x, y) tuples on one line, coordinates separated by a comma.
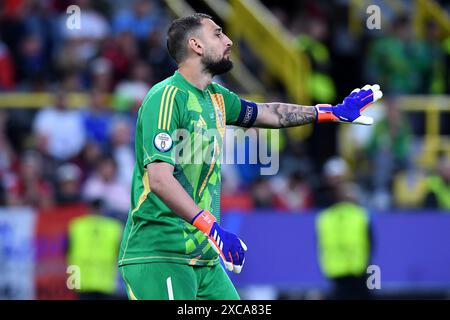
[(304, 52)]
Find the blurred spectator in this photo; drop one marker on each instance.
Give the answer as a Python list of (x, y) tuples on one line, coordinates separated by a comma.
[(311, 33), (32, 62), (97, 119), (347, 51), (141, 20), (345, 244), (122, 150), (91, 155), (103, 184), (389, 150), (293, 193), (41, 22), (93, 245), (59, 131), (70, 58), (80, 45), (335, 172), (7, 158), (101, 75), (68, 183), (7, 69), (29, 188), (433, 75), (262, 194), (410, 188), (93, 25), (446, 48), (438, 195), (281, 14), (241, 201), (234, 195), (156, 55), (121, 52), (72, 81), (391, 56), (242, 148), (230, 177), (12, 27), (129, 94), (295, 158)]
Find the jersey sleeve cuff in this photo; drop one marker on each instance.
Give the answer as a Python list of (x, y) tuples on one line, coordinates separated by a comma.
[(158, 157)]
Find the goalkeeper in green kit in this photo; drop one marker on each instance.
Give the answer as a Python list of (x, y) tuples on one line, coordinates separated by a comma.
[(172, 241)]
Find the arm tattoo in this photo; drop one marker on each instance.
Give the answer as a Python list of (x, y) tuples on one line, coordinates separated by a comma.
[(282, 115)]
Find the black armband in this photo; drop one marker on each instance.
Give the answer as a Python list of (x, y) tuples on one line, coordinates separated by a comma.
[(248, 114)]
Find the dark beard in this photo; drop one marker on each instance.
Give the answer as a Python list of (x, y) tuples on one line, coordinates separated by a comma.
[(217, 67)]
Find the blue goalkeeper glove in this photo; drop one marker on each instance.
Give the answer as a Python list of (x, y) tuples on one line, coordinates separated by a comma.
[(229, 247), (350, 110)]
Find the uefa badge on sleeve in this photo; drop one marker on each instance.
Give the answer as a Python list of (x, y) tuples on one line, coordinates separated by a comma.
[(163, 142)]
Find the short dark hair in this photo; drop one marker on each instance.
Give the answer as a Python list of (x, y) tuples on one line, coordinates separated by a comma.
[(179, 31)]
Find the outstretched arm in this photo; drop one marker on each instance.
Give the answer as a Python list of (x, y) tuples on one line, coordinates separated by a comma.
[(282, 115)]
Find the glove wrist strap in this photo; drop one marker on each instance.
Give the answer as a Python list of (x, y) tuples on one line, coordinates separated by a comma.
[(325, 113), (204, 221)]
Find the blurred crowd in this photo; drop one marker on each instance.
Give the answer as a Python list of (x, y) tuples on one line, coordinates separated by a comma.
[(59, 155), (383, 161)]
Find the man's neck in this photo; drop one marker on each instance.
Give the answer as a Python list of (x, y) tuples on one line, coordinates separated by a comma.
[(195, 75)]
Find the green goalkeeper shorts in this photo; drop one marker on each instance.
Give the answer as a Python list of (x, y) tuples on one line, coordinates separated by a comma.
[(173, 281)]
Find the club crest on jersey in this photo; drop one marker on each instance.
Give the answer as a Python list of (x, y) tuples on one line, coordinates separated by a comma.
[(163, 142)]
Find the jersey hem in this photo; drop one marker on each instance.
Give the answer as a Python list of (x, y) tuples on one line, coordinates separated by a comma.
[(165, 259)]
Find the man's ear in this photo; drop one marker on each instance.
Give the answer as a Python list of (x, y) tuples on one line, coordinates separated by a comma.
[(196, 46)]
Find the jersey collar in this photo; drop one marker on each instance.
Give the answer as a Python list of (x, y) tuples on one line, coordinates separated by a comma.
[(189, 85)]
